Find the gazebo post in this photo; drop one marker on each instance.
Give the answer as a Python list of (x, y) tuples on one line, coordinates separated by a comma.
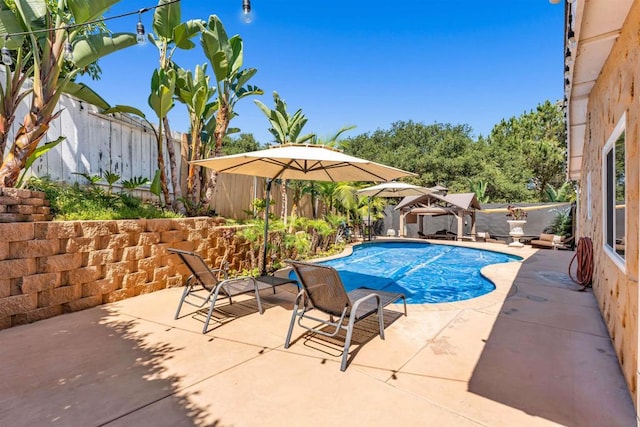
[(473, 224)]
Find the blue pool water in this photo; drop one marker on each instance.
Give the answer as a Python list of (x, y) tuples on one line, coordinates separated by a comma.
[(425, 273)]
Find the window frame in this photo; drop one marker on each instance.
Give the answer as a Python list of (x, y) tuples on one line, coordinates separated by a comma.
[(608, 182)]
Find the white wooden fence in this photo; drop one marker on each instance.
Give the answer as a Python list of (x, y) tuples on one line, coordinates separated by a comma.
[(96, 143)]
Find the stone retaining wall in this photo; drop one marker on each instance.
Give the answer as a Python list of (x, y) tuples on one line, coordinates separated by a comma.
[(18, 205), (51, 268)]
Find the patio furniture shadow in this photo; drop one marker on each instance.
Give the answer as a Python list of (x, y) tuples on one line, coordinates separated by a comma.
[(91, 367), (224, 314), (549, 353), (324, 292), (363, 332)]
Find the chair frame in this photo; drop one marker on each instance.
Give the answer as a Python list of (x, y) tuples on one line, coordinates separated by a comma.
[(350, 313), (207, 293)]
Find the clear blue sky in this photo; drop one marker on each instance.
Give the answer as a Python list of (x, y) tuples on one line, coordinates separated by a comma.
[(368, 63)]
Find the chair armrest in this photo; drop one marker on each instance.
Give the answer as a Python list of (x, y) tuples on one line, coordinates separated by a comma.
[(361, 300)]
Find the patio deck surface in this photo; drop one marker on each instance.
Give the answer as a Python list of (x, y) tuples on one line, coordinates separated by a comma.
[(532, 353)]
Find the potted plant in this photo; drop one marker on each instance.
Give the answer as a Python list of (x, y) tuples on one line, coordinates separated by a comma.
[(517, 219)]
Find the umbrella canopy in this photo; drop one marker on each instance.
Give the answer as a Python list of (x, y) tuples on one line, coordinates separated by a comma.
[(393, 189), (305, 162), (300, 161)]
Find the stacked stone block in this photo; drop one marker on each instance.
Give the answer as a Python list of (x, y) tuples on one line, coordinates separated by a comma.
[(17, 205), (51, 268)]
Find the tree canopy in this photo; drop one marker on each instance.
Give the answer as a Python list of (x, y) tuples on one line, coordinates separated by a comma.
[(521, 159)]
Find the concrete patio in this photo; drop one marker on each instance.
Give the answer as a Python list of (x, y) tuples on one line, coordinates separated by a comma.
[(535, 352)]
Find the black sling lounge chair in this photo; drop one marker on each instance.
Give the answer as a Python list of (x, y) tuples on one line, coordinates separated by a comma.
[(203, 286), (322, 290)]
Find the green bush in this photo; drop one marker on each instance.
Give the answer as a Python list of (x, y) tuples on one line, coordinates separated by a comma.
[(75, 202)]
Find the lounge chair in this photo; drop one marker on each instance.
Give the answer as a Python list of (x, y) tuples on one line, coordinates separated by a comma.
[(323, 290), (549, 241), (440, 235), (204, 286), (486, 237)]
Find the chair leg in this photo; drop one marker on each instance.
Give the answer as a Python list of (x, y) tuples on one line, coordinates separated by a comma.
[(214, 298), (257, 290), (294, 314), (347, 343), (185, 293), (381, 320)]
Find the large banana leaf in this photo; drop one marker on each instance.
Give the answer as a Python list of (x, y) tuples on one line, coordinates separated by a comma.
[(217, 48), (87, 49), (85, 93), (9, 24), (39, 152), (185, 31), (33, 13), (162, 91), (244, 76), (124, 109), (88, 10), (236, 57), (165, 18)]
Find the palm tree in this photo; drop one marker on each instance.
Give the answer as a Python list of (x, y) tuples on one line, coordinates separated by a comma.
[(326, 191), (332, 141), (286, 129)]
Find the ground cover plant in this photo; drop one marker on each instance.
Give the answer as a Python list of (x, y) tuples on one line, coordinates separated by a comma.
[(93, 202)]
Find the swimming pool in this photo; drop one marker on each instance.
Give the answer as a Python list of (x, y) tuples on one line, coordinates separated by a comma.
[(425, 273)]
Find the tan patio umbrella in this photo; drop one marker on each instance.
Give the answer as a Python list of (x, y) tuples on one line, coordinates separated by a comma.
[(394, 189), (300, 161), (391, 189)]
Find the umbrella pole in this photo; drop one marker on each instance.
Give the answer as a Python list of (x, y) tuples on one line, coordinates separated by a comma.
[(266, 228), (369, 221)]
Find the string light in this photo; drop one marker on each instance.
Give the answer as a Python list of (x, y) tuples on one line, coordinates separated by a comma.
[(246, 10), (68, 49), (247, 16), (140, 38), (6, 54)]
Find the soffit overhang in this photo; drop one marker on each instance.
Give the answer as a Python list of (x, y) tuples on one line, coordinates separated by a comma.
[(597, 25)]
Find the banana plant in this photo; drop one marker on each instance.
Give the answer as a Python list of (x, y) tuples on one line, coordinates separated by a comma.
[(161, 102), (195, 92), (169, 34), (43, 30), (226, 57)]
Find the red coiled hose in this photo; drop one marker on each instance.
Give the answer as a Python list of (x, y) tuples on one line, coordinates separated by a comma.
[(584, 267)]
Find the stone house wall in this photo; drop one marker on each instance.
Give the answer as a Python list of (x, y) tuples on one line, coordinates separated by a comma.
[(51, 268), (616, 288)]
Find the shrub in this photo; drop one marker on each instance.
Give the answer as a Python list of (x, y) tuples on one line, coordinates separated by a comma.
[(75, 202)]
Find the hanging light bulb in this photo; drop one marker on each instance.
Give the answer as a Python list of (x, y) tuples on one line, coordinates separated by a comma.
[(140, 38), (571, 37), (5, 52), (247, 16), (568, 59), (68, 51)]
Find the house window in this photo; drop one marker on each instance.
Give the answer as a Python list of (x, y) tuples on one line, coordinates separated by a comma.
[(615, 193)]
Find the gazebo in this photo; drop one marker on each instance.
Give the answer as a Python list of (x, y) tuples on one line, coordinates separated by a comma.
[(414, 208)]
